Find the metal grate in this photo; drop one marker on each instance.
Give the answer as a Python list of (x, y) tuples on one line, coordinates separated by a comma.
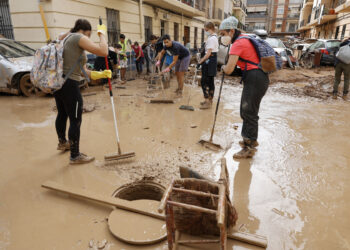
[(113, 26), (6, 28)]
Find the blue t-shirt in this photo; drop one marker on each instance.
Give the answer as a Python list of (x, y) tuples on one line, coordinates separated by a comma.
[(177, 49)]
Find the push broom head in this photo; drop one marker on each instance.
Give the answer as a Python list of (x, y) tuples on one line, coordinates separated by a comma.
[(117, 157), (187, 107), (210, 145), (166, 101)]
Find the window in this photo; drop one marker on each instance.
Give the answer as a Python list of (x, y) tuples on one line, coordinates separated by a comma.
[(162, 27), (195, 37), (176, 31), (280, 10), (148, 27), (292, 27), (343, 32), (336, 33), (113, 28), (5, 20)]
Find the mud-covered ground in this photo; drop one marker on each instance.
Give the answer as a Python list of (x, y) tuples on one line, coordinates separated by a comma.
[(295, 191)]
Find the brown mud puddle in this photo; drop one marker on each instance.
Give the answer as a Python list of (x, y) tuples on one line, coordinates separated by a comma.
[(295, 191)]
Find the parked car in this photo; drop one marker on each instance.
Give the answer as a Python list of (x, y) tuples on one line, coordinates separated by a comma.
[(281, 50), (327, 50), (16, 60)]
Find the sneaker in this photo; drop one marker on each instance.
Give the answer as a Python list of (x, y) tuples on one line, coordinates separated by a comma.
[(246, 152), (206, 105), (81, 159), (63, 146), (253, 145), (335, 96), (345, 97)]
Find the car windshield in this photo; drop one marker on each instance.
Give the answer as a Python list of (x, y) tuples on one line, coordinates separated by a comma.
[(275, 43), (332, 44), (12, 49)]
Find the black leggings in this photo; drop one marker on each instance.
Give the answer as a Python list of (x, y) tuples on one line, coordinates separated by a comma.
[(255, 86), (207, 80), (69, 104)]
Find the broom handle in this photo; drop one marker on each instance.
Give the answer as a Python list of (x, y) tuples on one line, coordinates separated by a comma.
[(112, 102), (217, 104)]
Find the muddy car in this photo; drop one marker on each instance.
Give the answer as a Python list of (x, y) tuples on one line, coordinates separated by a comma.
[(281, 50), (321, 52), (16, 60)]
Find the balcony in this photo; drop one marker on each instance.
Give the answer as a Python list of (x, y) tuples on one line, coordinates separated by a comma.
[(343, 6), (293, 16), (188, 8), (239, 5), (322, 14), (257, 16), (218, 16)]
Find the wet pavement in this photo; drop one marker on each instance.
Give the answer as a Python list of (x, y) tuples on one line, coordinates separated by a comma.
[(295, 191)]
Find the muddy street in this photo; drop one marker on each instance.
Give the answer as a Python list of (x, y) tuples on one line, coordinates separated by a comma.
[(295, 191)]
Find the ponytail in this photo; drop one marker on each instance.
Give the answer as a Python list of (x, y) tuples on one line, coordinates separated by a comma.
[(81, 24)]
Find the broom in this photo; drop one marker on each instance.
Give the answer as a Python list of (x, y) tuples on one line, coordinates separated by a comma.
[(119, 155)]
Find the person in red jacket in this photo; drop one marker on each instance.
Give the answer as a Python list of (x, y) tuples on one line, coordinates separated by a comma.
[(255, 84), (139, 57)]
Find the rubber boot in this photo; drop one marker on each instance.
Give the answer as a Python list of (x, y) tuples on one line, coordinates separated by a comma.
[(253, 144), (63, 145), (246, 152)]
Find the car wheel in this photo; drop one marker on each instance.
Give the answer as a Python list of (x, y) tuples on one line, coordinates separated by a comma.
[(27, 88)]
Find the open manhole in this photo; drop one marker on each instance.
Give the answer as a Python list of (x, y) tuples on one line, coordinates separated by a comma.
[(140, 190), (135, 228)]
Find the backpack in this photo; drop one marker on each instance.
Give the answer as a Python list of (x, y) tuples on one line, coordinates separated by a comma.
[(343, 54), (269, 60), (47, 71)]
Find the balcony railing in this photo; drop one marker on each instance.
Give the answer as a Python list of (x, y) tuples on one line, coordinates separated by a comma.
[(340, 2), (256, 15), (293, 15), (198, 4)]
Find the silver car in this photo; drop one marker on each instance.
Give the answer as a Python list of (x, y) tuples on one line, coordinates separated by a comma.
[(16, 60)]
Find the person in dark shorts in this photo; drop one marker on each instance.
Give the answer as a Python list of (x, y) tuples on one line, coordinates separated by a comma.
[(181, 60)]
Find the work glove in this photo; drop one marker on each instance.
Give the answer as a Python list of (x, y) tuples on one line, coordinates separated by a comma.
[(95, 75), (101, 29), (166, 70), (158, 63)]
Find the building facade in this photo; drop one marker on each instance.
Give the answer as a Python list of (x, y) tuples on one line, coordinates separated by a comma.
[(274, 16), (326, 19), (182, 19)]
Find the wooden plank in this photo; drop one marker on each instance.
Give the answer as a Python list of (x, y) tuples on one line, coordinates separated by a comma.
[(119, 203), (199, 193), (184, 242), (192, 207), (220, 216), (252, 239), (165, 197)]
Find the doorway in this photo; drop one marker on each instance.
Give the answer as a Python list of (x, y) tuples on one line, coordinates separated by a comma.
[(186, 38)]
